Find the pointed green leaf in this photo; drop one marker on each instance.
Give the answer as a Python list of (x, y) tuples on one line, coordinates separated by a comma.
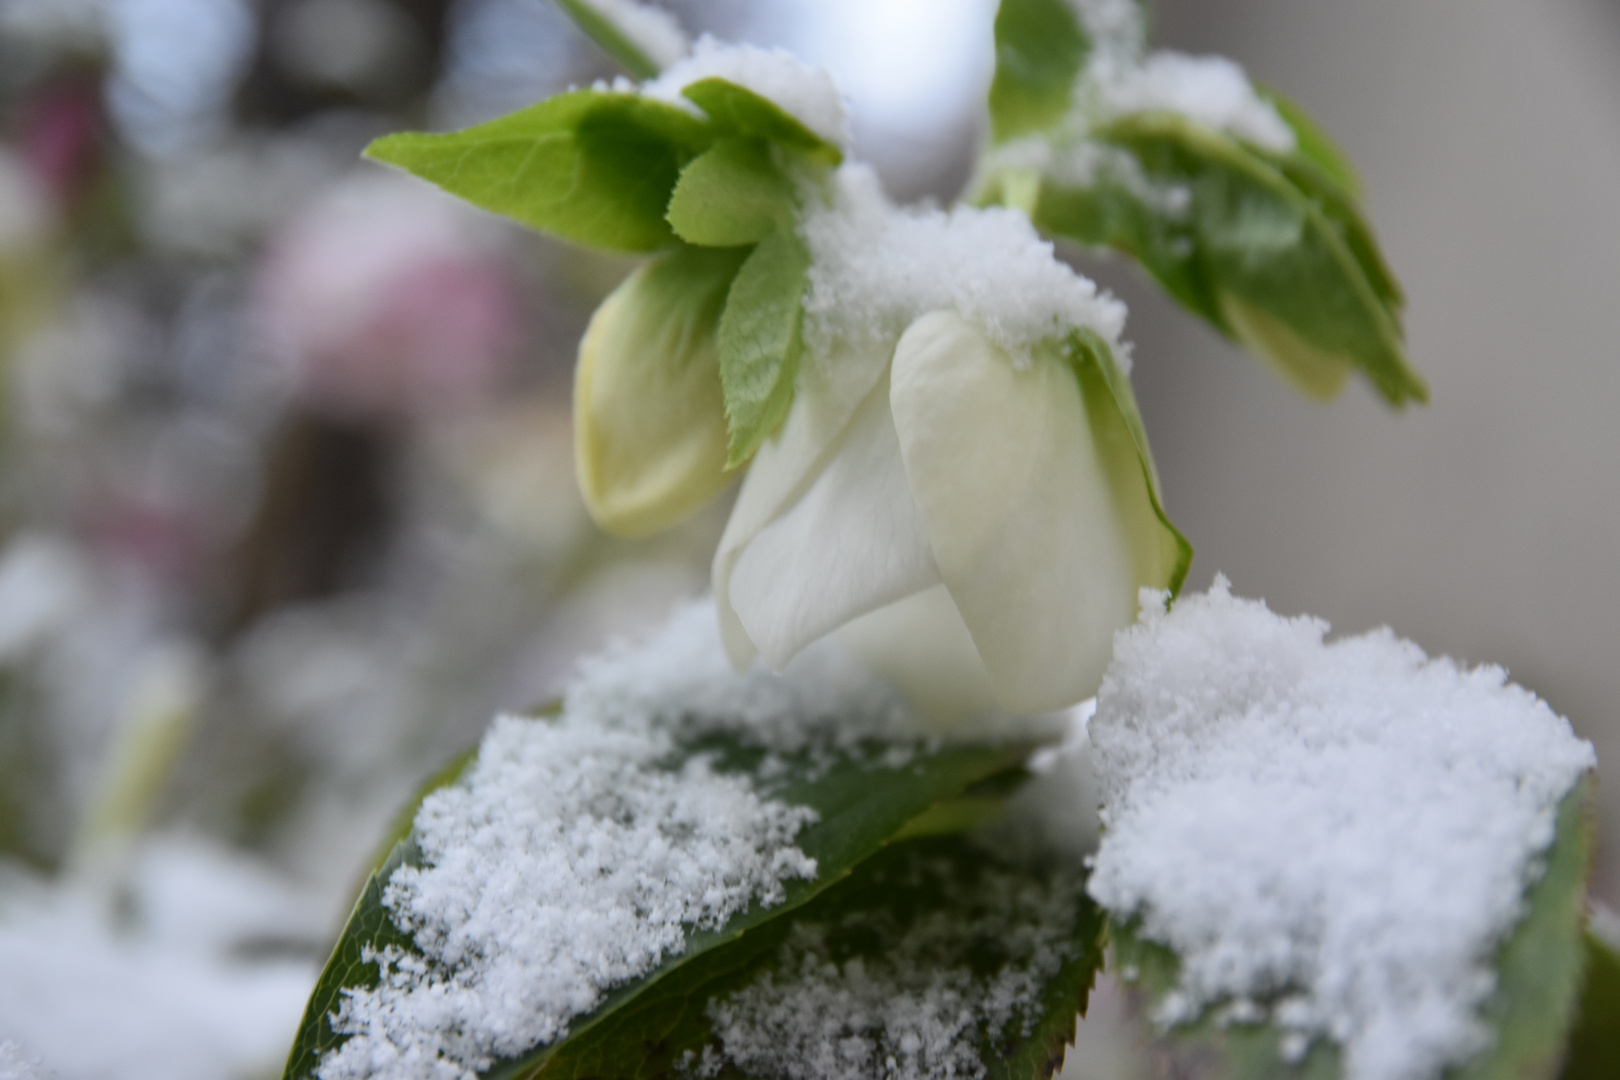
[(737, 110), (1040, 49), (732, 194), (863, 796), (610, 37), (1293, 273), (1594, 1045), (1162, 554), (1340, 207), (596, 167), (1538, 971), (761, 339)]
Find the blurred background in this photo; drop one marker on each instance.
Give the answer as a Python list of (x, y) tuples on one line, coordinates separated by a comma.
[(287, 509)]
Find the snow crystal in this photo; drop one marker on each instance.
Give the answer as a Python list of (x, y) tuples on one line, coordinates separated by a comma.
[(918, 1010), (653, 30), (1210, 90), (680, 678), (1119, 80), (804, 91), (1340, 834), (876, 268), (575, 858)]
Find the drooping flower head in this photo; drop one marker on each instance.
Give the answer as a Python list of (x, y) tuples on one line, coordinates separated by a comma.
[(941, 456)]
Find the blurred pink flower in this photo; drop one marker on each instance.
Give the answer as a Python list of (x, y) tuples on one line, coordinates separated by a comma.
[(389, 300), (61, 135)]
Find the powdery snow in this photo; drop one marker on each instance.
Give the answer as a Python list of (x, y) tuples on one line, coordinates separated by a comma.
[(573, 858), (802, 90), (1121, 78), (1343, 832), (876, 268), (916, 1011), (652, 30), (1210, 90)]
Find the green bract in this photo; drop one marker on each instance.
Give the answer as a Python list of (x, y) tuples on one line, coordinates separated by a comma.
[(1269, 246), (761, 337), (1040, 49), (732, 194)]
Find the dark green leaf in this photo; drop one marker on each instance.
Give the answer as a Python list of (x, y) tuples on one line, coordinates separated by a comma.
[(596, 167), (949, 887), (1594, 1045), (1293, 273), (1163, 556), (732, 194), (611, 39), (761, 339), (737, 110), (1538, 975), (1040, 49), (863, 800)]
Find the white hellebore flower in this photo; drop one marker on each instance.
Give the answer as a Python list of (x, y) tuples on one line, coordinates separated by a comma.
[(981, 522)]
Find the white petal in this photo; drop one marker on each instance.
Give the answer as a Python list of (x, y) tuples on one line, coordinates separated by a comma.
[(1005, 471), (921, 645), (830, 388), (854, 541)]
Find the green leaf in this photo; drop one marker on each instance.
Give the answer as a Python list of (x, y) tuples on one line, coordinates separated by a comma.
[(1313, 144), (1340, 207), (593, 166), (1594, 1045), (1162, 554), (1538, 972), (736, 110), (1040, 49), (1292, 272), (732, 194), (940, 892), (761, 339), (612, 40), (863, 798)]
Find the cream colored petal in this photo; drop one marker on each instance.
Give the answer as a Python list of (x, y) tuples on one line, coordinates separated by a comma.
[(1006, 474), (831, 386), (852, 542), (921, 645)]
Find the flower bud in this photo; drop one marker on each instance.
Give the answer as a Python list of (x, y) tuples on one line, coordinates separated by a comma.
[(649, 422)]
